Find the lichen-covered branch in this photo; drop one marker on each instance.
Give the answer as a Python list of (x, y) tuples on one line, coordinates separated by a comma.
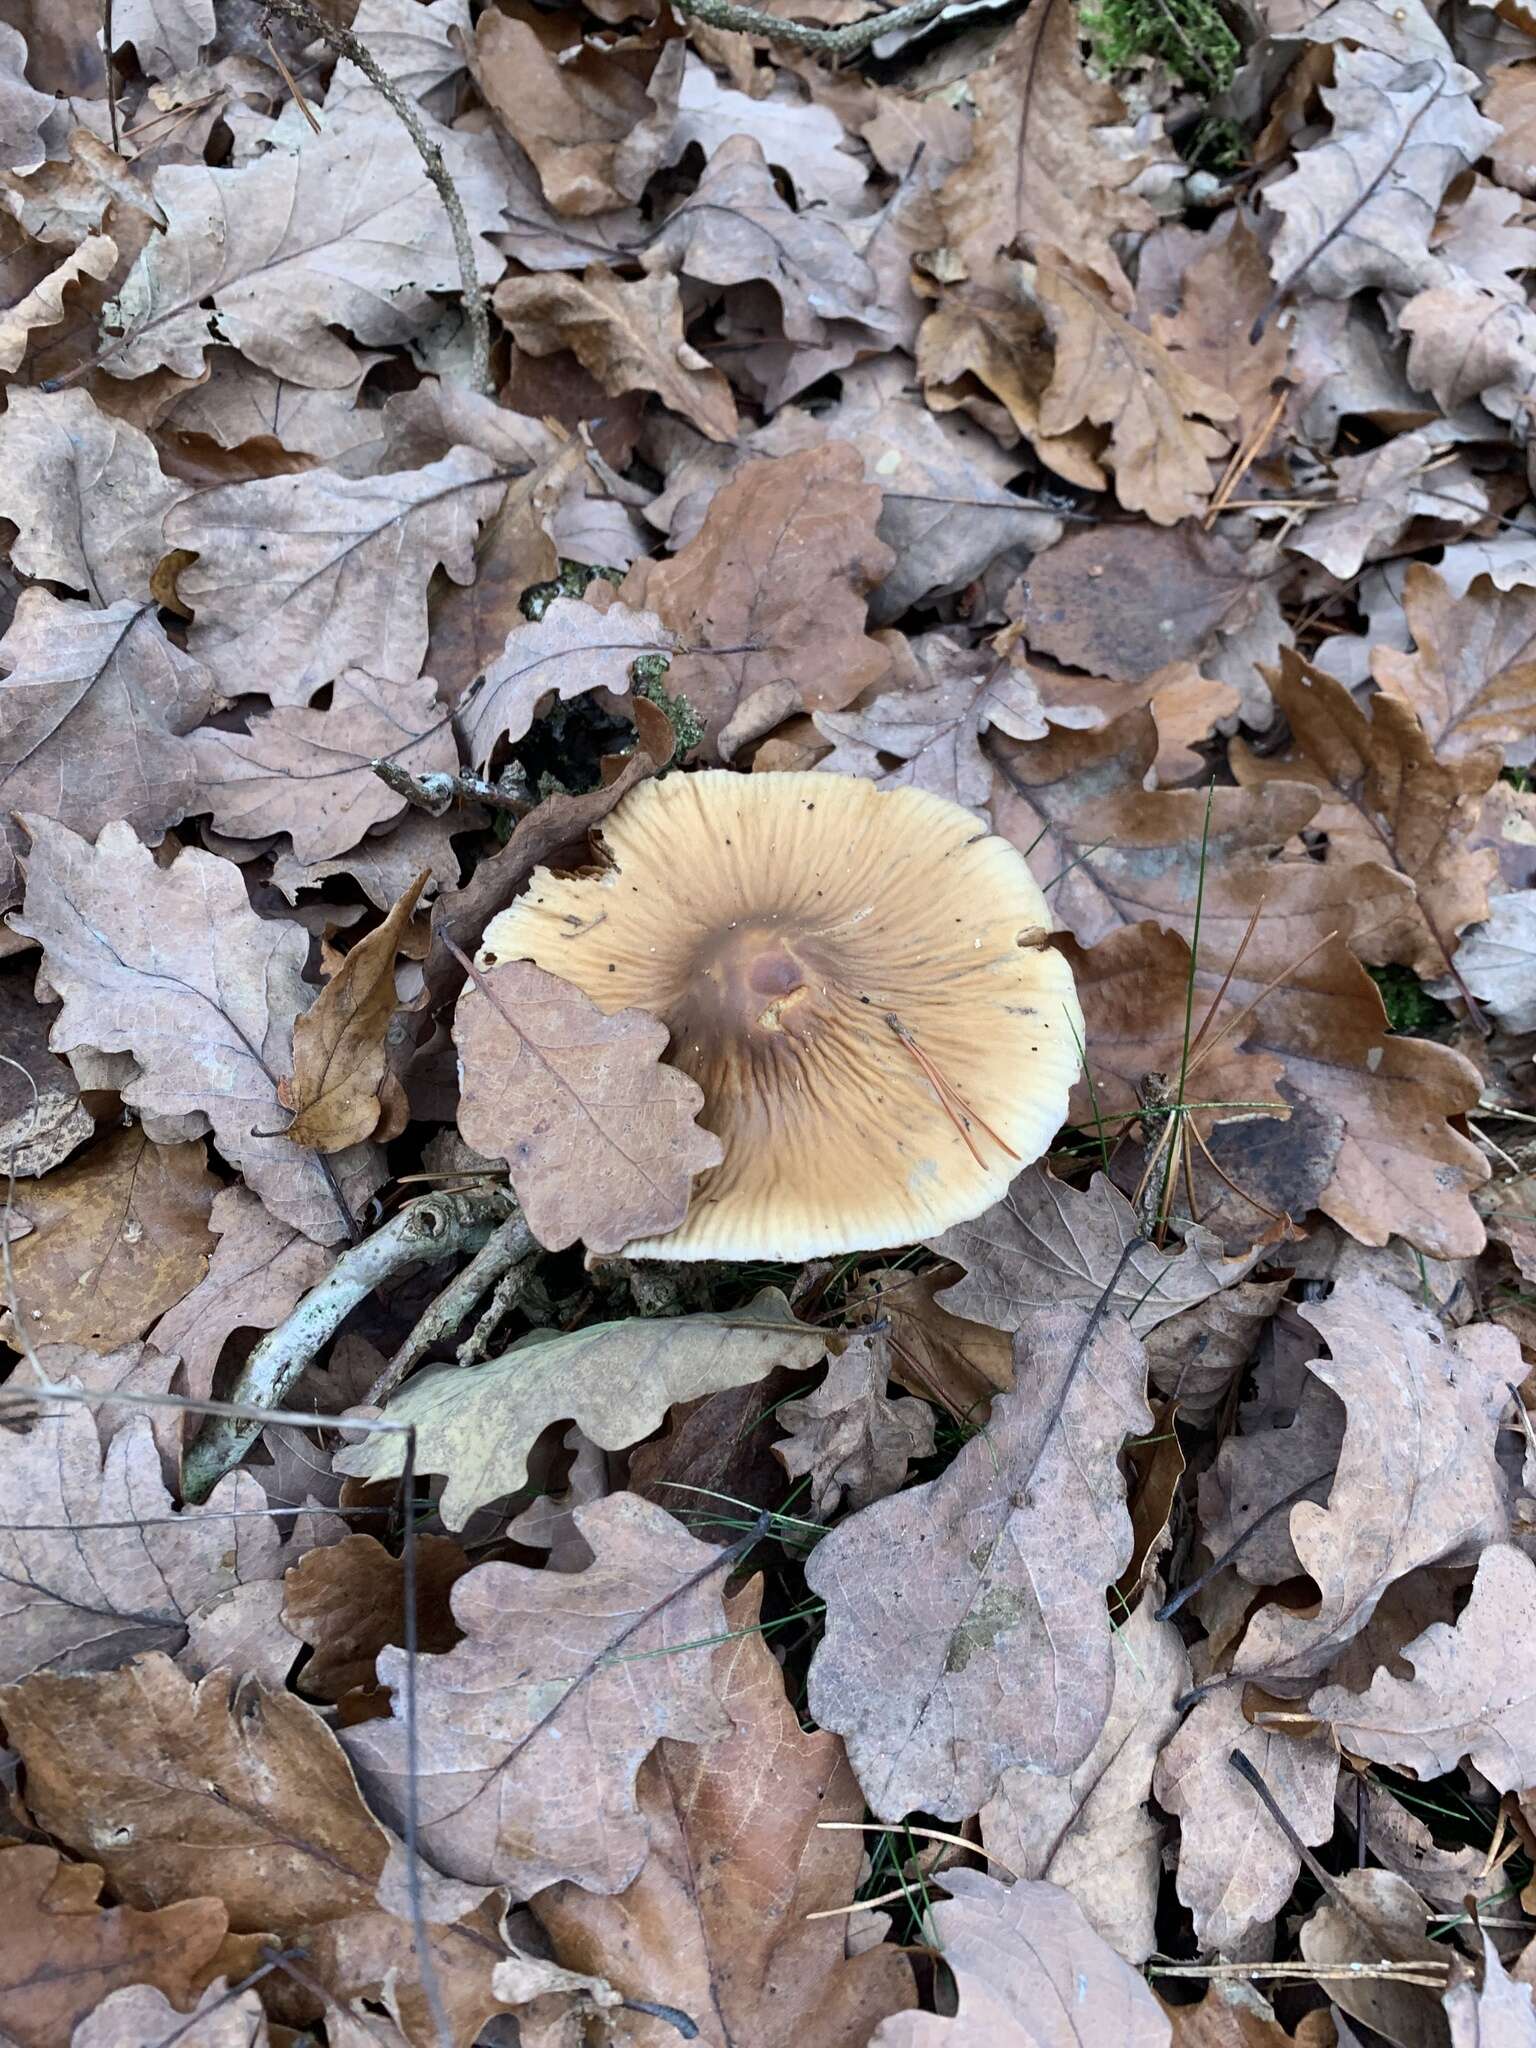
[(847, 41), (506, 1247), (433, 1228)]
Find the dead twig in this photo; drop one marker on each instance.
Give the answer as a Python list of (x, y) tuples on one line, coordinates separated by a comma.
[(848, 41), (346, 44), (507, 1246)]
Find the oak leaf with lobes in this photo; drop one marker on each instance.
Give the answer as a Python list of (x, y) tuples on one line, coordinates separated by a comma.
[(531, 1731), (173, 966), (598, 1133)]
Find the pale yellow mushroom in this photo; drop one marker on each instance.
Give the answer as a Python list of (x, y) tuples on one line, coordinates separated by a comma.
[(857, 979)]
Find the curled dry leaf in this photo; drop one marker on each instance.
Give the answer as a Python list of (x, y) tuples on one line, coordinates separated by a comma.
[(64, 1953), (188, 1789), (198, 988), (1376, 1915), (118, 1236), (718, 1921), (992, 1649), (1031, 1973), (1047, 1245), (78, 681), (851, 1440), (1470, 1692), (23, 109), (571, 649), (777, 577), (1089, 1829), (346, 1601), (1236, 1867), (615, 1380), (86, 493), (339, 1054), (940, 1356), (346, 231), (1163, 421), (532, 1729), (1417, 1480), (1499, 2013), (629, 334), (94, 1564), (310, 773), (44, 305), (595, 122), (301, 577), (598, 1133)]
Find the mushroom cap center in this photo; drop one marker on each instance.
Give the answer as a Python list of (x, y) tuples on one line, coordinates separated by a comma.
[(748, 976)]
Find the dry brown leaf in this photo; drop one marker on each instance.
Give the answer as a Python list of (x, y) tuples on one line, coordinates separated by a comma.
[(932, 730), (1236, 1867), (1375, 1915), (118, 1236), (1498, 960), (999, 342), (1470, 1692), (339, 1054), (23, 110), (1223, 291), (1417, 1480), (942, 1357), (344, 231), (346, 1601), (1254, 1474), (1375, 498), (1471, 679), (259, 1270), (1089, 1829), (1134, 856), (1499, 2013), (310, 773), (594, 122), (598, 1133), (42, 304), (628, 334), (1111, 374), (92, 714), (1047, 1245), (721, 1447), (850, 1440), (1031, 1973), (734, 228), (86, 492), (1006, 1658), (42, 1119), (61, 1953), (199, 989), (1387, 793), (94, 1565), (616, 1380), (716, 1922), (779, 574), (141, 2013), (531, 1731), (189, 1789), (470, 622), (1044, 178), (572, 648), (1359, 207), (301, 577)]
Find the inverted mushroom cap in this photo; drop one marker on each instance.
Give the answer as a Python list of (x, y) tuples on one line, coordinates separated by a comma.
[(857, 980)]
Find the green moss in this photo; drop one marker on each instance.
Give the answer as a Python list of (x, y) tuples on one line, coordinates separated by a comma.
[(687, 726), (1189, 36), (572, 581), (1411, 1010)]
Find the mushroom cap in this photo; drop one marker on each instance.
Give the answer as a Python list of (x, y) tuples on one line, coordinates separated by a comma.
[(856, 978)]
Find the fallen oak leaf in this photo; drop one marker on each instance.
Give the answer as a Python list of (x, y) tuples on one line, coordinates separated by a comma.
[(1164, 423), (93, 716), (1470, 1692), (998, 340), (572, 648), (43, 305), (1030, 1972), (339, 1054), (1497, 961), (616, 1381), (23, 109), (301, 577), (1472, 674), (310, 773), (1005, 1659), (63, 1953), (774, 585), (629, 334), (1371, 1914), (726, 1918), (173, 966), (514, 1789), (118, 1236), (848, 1439), (139, 2012), (346, 1600)]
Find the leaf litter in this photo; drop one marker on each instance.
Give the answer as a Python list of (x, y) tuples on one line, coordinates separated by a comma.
[(1112, 1621)]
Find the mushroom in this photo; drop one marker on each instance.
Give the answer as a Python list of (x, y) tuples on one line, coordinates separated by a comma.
[(859, 981)]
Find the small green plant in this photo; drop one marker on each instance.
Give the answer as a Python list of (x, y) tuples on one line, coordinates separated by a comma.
[(687, 726), (1189, 36), (1411, 1010)]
